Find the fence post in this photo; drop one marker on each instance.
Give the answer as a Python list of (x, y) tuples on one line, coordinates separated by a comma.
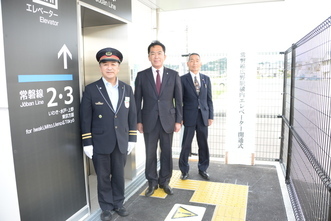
[(283, 108), (289, 154)]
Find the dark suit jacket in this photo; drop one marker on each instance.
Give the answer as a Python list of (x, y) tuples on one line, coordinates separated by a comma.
[(150, 105), (101, 126), (191, 101)]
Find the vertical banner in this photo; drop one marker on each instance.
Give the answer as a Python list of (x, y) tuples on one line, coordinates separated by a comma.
[(240, 143), (41, 60)]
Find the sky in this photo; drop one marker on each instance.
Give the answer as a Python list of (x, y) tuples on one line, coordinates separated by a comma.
[(272, 26)]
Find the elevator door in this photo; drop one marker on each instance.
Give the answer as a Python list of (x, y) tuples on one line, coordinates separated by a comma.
[(101, 31)]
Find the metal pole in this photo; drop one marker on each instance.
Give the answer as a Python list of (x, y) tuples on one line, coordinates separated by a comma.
[(283, 109), (289, 152)]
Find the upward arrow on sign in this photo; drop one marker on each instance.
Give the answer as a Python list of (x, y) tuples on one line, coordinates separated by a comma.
[(65, 51)]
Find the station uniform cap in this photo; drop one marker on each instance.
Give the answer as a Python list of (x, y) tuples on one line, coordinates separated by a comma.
[(109, 54)]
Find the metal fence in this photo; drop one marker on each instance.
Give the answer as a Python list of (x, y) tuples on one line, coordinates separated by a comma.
[(269, 105), (306, 121), (268, 101)]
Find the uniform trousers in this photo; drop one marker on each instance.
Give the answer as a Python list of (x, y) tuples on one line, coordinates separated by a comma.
[(110, 178), (203, 152), (151, 143)]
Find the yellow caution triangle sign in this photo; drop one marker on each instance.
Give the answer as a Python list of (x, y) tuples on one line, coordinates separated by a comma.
[(181, 212)]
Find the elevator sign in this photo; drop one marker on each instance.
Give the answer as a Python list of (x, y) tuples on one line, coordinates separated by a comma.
[(48, 3), (41, 62), (46, 15)]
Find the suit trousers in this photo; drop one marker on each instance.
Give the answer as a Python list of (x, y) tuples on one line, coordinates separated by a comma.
[(203, 152), (110, 176), (151, 143)]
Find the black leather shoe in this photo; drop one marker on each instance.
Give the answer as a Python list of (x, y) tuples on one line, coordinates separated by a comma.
[(106, 215), (122, 211), (167, 189), (204, 174), (150, 190), (184, 176)]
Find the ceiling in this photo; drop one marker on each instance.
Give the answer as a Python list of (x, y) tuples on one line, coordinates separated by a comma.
[(172, 5), (92, 18)]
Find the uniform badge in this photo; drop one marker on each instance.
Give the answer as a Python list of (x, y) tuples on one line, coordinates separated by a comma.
[(127, 102)]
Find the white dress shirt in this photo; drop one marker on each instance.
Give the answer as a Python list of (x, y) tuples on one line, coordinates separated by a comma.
[(160, 72), (112, 92), (198, 78)]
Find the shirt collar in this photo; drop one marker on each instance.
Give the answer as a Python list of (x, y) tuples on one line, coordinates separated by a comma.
[(160, 69), (109, 84), (193, 75)]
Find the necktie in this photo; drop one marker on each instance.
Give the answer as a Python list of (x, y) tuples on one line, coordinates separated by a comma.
[(196, 84), (158, 82)]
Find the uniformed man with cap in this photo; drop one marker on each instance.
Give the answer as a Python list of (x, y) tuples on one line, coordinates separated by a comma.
[(108, 124)]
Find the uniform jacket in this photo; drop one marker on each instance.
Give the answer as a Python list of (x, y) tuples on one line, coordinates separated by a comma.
[(192, 101), (102, 126), (150, 105)]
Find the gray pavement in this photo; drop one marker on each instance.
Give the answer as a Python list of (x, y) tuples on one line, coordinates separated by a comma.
[(265, 196)]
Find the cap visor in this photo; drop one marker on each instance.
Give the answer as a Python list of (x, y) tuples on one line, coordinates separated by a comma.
[(109, 59)]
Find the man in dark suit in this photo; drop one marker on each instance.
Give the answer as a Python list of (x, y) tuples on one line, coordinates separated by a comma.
[(109, 130), (158, 95), (198, 114)]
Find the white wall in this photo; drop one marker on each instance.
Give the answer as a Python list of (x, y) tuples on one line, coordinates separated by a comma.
[(141, 33), (8, 192)]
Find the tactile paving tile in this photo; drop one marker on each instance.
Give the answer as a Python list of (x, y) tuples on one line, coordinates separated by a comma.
[(177, 183), (158, 193), (226, 213), (230, 199)]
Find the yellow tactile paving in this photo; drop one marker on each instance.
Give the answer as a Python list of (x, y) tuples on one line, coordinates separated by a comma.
[(158, 193), (227, 213), (230, 199)]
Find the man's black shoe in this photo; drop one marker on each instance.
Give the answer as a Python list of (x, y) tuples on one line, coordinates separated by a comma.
[(122, 211), (184, 176), (204, 174), (167, 189), (150, 190), (105, 215)]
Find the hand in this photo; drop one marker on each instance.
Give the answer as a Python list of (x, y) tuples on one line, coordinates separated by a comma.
[(131, 145), (88, 150), (177, 127), (210, 121), (140, 127)]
